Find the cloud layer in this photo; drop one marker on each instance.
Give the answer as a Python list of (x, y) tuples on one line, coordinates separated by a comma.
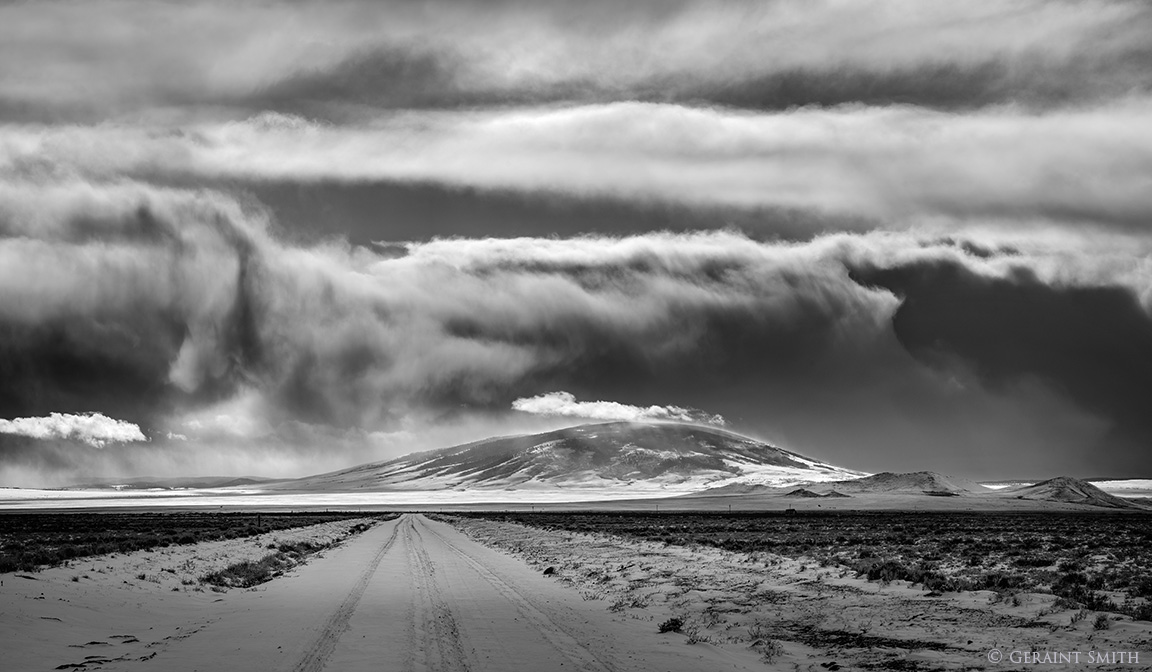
[(896, 164), (93, 429), (111, 57), (565, 404)]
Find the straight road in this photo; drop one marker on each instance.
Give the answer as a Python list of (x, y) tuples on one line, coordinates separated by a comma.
[(416, 595)]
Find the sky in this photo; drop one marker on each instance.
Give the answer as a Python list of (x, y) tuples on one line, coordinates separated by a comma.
[(280, 238)]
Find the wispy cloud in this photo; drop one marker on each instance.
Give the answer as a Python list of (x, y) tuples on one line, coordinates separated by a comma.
[(897, 164), (94, 429), (565, 404)]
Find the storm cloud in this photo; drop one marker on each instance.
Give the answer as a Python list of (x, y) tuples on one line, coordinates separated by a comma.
[(289, 236), (117, 57), (261, 336)]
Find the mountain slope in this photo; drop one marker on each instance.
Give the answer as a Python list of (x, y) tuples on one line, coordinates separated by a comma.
[(638, 456), (1071, 490)]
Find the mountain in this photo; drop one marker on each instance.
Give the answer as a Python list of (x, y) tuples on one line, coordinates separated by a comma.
[(917, 482), (1072, 490), (632, 455)]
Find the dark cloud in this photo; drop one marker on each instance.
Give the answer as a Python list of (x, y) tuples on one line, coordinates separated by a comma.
[(364, 213), (942, 86), (60, 61), (179, 311), (119, 367), (391, 77), (292, 231), (111, 299), (1091, 343), (398, 78)]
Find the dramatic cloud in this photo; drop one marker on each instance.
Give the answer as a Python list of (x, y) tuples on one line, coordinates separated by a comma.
[(1014, 326), (565, 404), (897, 163), (296, 233), (108, 57), (182, 310), (92, 428)]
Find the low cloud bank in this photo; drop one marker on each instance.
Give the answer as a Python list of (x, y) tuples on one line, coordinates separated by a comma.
[(94, 429), (565, 404)]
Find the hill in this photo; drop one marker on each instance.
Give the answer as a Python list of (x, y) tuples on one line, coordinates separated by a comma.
[(918, 482), (1070, 490)]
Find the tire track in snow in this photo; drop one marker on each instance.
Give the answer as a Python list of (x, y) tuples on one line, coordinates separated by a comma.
[(435, 633), (317, 655), (564, 643)]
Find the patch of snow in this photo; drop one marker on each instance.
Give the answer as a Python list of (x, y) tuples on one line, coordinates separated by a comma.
[(1002, 486), (1126, 484)]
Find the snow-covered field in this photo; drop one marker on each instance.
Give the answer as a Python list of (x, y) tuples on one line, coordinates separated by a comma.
[(251, 497), (31, 499), (408, 594), (801, 615), (461, 593)]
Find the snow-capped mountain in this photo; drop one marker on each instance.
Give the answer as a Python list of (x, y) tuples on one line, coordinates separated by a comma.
[(616, 455)]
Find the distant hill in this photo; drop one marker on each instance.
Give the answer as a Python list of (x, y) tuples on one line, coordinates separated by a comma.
[(803, 493), (1070, 490), (930, 490), (918, 482), (153, 483), (674, 456)]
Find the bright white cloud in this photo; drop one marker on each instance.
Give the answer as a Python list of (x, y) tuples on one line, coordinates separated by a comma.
[(95, 429), (565, 404)]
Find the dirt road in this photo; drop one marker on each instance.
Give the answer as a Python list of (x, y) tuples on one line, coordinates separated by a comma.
[(413, 595)]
